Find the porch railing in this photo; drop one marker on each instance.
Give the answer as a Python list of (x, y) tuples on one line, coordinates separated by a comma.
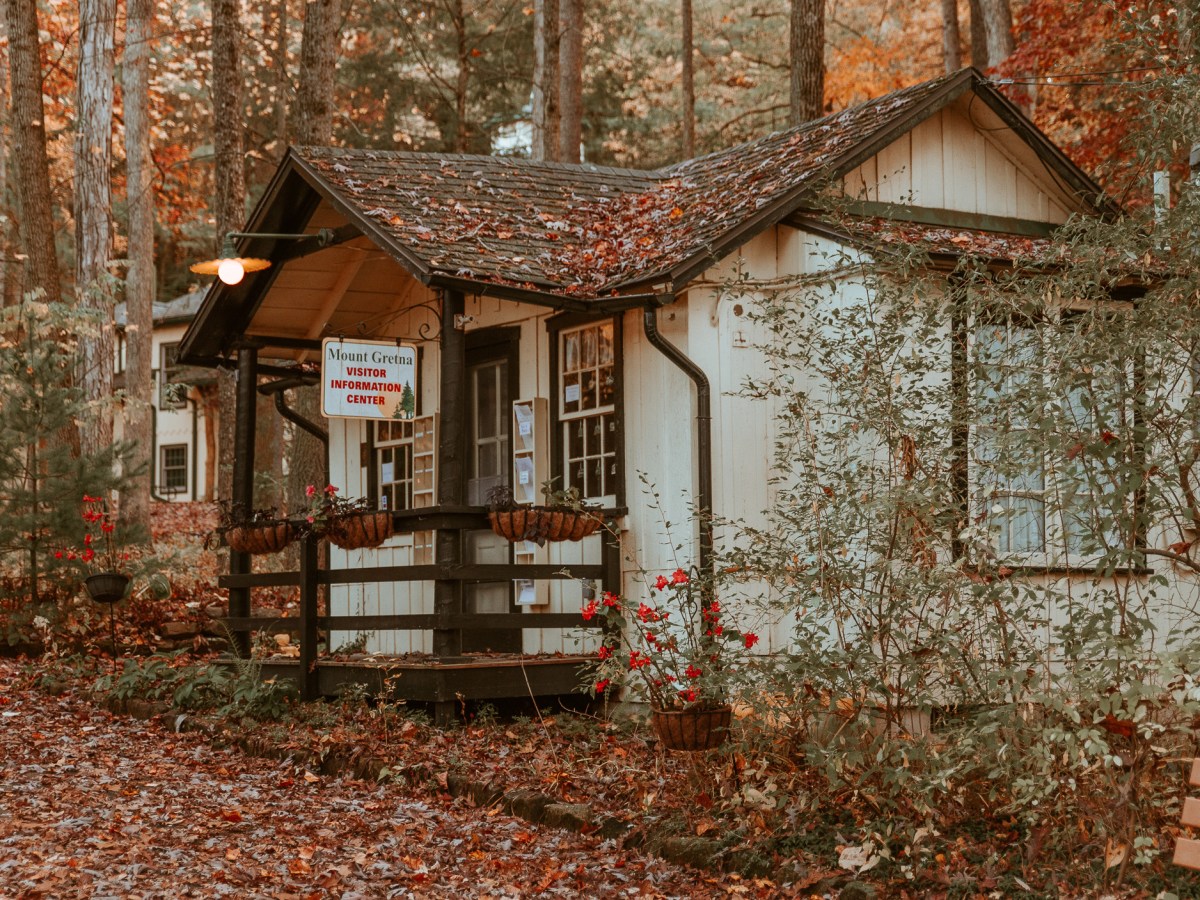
[(448, 623)]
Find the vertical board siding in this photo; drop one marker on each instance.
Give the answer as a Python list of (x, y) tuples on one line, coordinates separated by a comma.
[(946, 162), (927, 164), (895, 168)]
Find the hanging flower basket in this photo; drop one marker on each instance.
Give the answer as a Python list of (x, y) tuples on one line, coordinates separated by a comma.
[(360, 531), (261, 538), (106, 587), (543, 523), (692, 729)]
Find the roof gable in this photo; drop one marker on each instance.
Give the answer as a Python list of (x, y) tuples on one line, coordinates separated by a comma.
[(588, 231)]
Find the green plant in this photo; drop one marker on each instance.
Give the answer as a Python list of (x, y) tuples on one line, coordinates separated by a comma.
[(324, 505)]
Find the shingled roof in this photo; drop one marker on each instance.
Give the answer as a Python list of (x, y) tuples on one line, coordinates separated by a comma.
[(586, 231)]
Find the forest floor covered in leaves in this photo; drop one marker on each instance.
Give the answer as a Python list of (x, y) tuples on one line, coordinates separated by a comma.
[(100, 805), (258, 802)]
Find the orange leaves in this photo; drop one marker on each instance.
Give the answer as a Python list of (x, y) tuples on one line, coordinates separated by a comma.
[(229, 815)]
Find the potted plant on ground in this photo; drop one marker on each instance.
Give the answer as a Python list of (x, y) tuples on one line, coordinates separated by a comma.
[(352, 524), (683, 651), (563, 517), (258, 531)]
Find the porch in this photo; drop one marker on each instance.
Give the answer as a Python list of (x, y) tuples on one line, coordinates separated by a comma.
[(449, 676)]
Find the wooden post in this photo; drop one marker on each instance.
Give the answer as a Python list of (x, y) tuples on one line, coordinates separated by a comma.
[(309, 686), (242, 501), (447, 594), (610, 560)]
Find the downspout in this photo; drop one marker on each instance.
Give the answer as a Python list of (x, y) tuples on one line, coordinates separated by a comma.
[(154, 454), (704, 486), (195, 451)]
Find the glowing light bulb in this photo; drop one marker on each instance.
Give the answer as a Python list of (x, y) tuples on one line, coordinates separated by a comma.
[(230, 271)]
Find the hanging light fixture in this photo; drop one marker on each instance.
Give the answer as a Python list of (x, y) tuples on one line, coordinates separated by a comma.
[(231, 268)]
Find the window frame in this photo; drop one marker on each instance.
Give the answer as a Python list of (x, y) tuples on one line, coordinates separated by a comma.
[(556, 326), (164, 372), (1055, 552), (163, 486)]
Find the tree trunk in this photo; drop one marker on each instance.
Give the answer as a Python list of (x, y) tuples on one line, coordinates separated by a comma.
[(275, 35), (230, 201), (318, 52), (689, 81), (29, 143), (570, 62), (951, 39), (458, 21), (979, 48), (314, 126), (997, 28), (547, 113), (93, 206), (807, 43), (140, 277)]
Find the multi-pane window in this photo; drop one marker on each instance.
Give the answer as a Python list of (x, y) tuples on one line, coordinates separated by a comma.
[(1042, 474), (173, 475), (170, 395), (394, 456), (587, 410), (491, 409)]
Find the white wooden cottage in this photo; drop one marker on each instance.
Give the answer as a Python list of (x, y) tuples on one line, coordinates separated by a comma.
[(571, 322), (183, 456)]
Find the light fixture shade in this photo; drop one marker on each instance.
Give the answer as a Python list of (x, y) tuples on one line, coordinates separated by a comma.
[(228, 255), (248, 263)]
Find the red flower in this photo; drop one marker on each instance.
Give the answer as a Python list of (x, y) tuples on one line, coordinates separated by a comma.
[(589, 610), (87, 538), (692, 671), (602, 685), (605, 652), (88, 554), (679, 577), (330, 490), (751, 639), (58, 554), (646, 613), (309, 491), (107, 527), (611, 599), (637, 660), (661, 582), (688, 694)]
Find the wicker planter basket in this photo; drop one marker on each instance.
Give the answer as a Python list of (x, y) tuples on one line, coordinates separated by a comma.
[(361, 530), (541, 523), (260, 538), (106, 587), (692, 729)]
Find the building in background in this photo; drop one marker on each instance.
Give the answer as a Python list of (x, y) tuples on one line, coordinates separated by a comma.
[(184, 451)]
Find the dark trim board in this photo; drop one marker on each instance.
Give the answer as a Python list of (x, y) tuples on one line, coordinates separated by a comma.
[(442, 682)]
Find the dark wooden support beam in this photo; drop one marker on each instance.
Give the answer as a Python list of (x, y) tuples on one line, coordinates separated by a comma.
[(308, 617), (452, 446), (243, 480)]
